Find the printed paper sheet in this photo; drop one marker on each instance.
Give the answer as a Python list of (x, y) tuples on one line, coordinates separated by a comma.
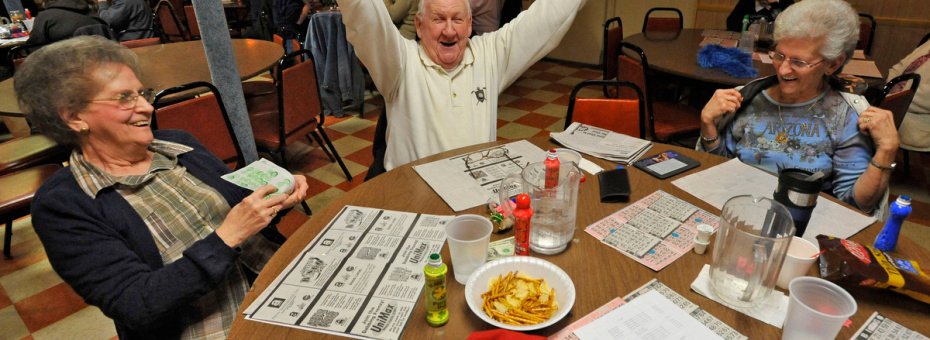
[(654, 231), (731, 178), (361, 277), (721, 329), (880, 327), (469, 180)]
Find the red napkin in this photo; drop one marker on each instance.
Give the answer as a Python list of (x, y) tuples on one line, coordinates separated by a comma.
[(503, 334)]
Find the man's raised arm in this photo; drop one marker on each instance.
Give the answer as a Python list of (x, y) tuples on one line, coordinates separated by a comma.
[(532, 35), (376, 41)]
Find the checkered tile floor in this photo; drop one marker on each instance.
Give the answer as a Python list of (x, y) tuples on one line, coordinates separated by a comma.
[(36, 304)]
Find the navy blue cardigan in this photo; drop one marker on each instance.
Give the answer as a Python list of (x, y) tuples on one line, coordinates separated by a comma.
[(103, 249)]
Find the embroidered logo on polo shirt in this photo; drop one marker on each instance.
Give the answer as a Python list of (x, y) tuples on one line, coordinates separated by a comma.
[(479, 94)]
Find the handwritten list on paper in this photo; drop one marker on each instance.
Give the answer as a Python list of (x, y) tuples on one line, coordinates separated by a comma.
[(654, 231)]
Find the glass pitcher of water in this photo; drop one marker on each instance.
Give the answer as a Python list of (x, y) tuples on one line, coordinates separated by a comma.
[(751, 244), (552, 226)]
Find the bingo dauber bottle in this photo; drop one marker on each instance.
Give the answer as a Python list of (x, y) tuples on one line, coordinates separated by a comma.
[(434, 293), (888, 238)]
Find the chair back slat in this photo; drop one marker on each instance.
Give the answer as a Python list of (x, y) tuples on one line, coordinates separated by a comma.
[(204, 117), (170, 25), (192, 25), (612, 38), (624, 116), (664, 23), (898, 103), (866, 33), (300, 95)]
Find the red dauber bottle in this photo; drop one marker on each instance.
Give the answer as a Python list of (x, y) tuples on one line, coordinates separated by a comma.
[(552, 169), (521, 225)]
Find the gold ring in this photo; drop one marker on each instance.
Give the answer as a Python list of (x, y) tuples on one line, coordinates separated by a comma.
[(866, 120)]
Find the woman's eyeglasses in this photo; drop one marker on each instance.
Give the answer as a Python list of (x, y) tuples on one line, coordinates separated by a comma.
[(796, 64), (128, 100)]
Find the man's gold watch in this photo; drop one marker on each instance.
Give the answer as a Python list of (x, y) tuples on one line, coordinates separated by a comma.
[(883, 167)]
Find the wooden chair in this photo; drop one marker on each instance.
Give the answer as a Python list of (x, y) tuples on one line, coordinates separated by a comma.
[(626, 116), (651, 23), (612, 38), (667, 121), (204, 116), (19, 187), (866, 33), (293, 112), (898, 103), (169, 23)]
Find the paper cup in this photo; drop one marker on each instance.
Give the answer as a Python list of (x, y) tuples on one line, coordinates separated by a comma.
[(798, 261), (568, 155), (817, 309), (468, 237), (28, 23)]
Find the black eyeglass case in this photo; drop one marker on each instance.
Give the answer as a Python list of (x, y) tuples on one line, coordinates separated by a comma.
[(614, 185)]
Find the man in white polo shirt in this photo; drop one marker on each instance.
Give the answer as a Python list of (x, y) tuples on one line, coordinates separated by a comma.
[(441, 92)]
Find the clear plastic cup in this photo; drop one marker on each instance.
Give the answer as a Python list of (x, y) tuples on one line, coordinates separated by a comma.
[(817, 309), (468, 237), (801, 255)]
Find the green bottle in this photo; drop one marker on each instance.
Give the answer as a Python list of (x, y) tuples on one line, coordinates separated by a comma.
[(434, 293)]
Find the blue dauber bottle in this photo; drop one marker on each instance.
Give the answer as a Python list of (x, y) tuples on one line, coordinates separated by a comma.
[(888, 238)]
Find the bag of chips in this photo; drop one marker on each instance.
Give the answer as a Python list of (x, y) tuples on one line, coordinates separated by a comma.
[(849, 263)]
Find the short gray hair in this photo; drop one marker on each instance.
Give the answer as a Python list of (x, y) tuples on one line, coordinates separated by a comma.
[(421, 7), (59, 78), (835, 21)]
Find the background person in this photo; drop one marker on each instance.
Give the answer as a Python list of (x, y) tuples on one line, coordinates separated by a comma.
[(486, 15), (402, 14), (768, 9), (798, 118), (123, 15), (59, 20), (140, 225), (441, 93), (915, 128)]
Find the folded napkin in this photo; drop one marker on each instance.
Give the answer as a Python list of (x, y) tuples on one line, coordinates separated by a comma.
[(731, 60), (772, 310), (503, 334)]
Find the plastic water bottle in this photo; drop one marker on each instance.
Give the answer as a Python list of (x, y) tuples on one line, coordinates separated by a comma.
[(745, 39), (437, 314), (888, 238)]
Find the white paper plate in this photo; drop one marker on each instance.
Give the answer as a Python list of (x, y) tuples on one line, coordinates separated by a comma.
[(532, 266)]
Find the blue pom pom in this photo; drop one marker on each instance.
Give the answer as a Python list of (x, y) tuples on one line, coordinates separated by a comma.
[(731, 60)]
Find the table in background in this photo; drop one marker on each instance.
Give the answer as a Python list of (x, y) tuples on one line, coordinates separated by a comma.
[(675, 53), (168, 65), (600, 272)]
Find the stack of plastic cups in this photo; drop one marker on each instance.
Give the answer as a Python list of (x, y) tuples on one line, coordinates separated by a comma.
[(702, 239)]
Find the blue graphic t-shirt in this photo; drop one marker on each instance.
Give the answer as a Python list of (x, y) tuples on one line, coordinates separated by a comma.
[(821, 134)]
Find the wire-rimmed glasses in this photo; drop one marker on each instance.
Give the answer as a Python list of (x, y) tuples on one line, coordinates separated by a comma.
[(484, 157), (128, 100), (796, 64)]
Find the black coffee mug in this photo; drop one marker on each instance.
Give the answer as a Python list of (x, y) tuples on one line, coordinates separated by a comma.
[(798, 191)]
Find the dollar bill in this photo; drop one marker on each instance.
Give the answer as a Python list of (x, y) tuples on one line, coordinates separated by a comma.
[(500, 249), (262, 172)]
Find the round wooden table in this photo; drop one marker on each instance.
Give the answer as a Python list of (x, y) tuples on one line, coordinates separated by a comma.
[(168, 65), (600, 273), (675, 53)]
